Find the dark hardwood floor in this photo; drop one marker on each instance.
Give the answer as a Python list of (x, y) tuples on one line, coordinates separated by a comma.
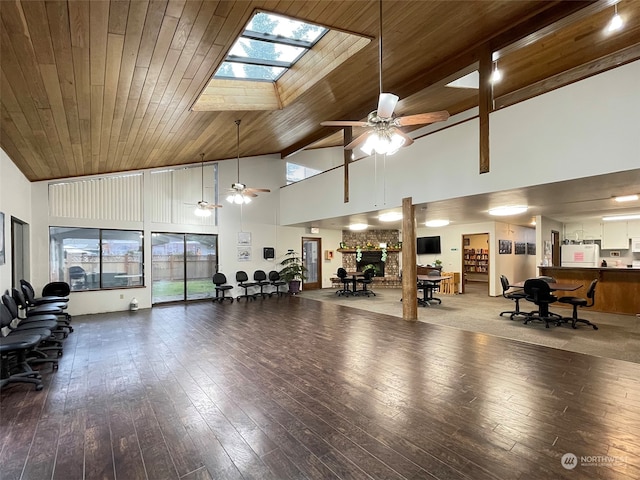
[(295, 388)]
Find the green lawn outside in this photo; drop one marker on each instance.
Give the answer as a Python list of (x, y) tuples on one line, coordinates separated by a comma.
[(168, 290)]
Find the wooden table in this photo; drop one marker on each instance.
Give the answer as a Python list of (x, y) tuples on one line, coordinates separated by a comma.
[(553, 286), (355, 276)]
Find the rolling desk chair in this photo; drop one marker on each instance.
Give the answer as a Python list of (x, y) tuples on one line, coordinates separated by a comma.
[(515, 295), (539, 292), (581, 302)]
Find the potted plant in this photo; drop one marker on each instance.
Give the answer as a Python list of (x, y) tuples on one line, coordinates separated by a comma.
[(293, 271), (437, 263)]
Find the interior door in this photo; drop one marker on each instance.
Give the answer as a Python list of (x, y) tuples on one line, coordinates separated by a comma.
[(311, 249), (555, 245)]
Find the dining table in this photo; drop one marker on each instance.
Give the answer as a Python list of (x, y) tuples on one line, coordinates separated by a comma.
[(553, 286), (354, 278)]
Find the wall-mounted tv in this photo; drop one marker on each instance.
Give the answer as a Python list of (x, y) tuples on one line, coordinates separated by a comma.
[(428, 245)]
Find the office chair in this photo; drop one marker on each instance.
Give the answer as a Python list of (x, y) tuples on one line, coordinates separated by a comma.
[(13, 364), (260, 279), (32, 300), (581, 302), (276, 281), (538, 292), (50, 322), (243, 281), (367, 280), (515, 295), (342, 275), (432, 287), (220, 282)]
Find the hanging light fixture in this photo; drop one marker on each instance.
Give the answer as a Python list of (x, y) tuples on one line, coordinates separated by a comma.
[(203, 208), (496, 75), (239, 193), (616, 23)]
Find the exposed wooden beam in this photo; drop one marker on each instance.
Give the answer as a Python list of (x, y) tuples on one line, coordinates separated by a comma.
[(484, 106), (409, 263), (348, 136)]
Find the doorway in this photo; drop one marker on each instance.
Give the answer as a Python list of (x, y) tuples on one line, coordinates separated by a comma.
[(19, 251), (475, 263), (182, 265), (555, 248), (311, 248)]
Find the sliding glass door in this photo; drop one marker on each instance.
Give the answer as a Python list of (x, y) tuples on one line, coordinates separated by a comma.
[(182, 266)]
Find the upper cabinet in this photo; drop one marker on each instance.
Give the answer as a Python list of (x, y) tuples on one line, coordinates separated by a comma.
[(615, 236), (581, 231), (633, 228)]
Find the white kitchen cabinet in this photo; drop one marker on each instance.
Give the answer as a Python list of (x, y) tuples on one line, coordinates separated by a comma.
[(591, 231), (615, 236), (633, 228), (572, 231)]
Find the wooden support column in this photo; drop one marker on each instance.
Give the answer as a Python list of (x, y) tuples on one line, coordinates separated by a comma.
[(484, 104), (348, 136), (409, 265)]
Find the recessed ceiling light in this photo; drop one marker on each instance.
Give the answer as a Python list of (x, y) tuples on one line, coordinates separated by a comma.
[(390, 216), (436, 223), (508, 210), (613, 218), (626, 198), (358, 226)]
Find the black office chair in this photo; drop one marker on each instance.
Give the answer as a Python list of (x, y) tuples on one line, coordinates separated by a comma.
[(260, 279), (342, 275), (581, 302), (221, 287), (243, 281), (514, 295), (432, 287), (30, 295), (276, 281), (13, 351), (369, 273), (539, 292)]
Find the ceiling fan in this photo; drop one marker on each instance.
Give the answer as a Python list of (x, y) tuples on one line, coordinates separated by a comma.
[(239, 193), (203, 208), (384, 135)]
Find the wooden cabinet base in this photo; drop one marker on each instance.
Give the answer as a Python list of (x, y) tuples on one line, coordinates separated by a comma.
[(618, 289)]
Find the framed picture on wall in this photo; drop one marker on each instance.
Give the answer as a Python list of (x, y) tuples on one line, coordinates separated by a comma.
[(505, 246), (531, 248), (1, 238), (244, 238), (244, 254), (520, 248)]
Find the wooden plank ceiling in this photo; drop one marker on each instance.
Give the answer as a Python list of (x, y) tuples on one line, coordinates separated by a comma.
[(92, 87)]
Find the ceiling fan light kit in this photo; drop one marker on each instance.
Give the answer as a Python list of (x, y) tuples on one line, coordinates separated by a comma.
[(239, 193), (384, 137)]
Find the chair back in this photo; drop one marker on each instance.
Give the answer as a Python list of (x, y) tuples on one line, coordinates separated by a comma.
[(241, 276), (591, 292), (538, 291), (18, 297), (259, 276), (505, 284), (11, 306), (369, 273), (27, 291), (219, 279), (547, 279), (274, 276), (56, 289), (5, 316), (342, 273)]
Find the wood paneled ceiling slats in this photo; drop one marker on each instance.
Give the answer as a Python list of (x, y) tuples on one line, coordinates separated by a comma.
[(101, 86)]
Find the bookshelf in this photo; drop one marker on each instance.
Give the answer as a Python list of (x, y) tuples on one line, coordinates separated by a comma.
[(476, 260)]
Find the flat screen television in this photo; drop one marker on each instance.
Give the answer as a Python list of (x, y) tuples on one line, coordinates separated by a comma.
[(428, 245)]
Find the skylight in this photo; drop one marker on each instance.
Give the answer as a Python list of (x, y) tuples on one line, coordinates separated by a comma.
[(269, 45)]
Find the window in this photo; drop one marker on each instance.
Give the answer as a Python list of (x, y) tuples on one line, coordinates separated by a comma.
[(269, 45), (93, 258), (296, 172)]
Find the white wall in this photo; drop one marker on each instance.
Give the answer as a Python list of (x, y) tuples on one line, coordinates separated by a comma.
[(15, 200)]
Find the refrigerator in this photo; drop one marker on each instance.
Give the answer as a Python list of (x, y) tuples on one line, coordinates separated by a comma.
[(580, 255)]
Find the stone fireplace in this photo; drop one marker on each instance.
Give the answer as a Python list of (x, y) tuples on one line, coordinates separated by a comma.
[(372, 258)]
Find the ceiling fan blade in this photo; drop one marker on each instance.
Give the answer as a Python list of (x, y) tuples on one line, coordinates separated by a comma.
[(343, 123), (387, 104), (358, 141), (213, 206), (422, 118), (407, 139), (251, 189)]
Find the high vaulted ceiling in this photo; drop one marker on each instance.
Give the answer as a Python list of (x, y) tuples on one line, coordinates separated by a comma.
[(93, 87)]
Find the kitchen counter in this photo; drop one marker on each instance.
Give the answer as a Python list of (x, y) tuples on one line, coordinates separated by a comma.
[(618, 289)]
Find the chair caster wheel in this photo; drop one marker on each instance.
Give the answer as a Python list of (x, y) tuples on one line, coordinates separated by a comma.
[(39, 387), (60, 354), (594, 327)]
